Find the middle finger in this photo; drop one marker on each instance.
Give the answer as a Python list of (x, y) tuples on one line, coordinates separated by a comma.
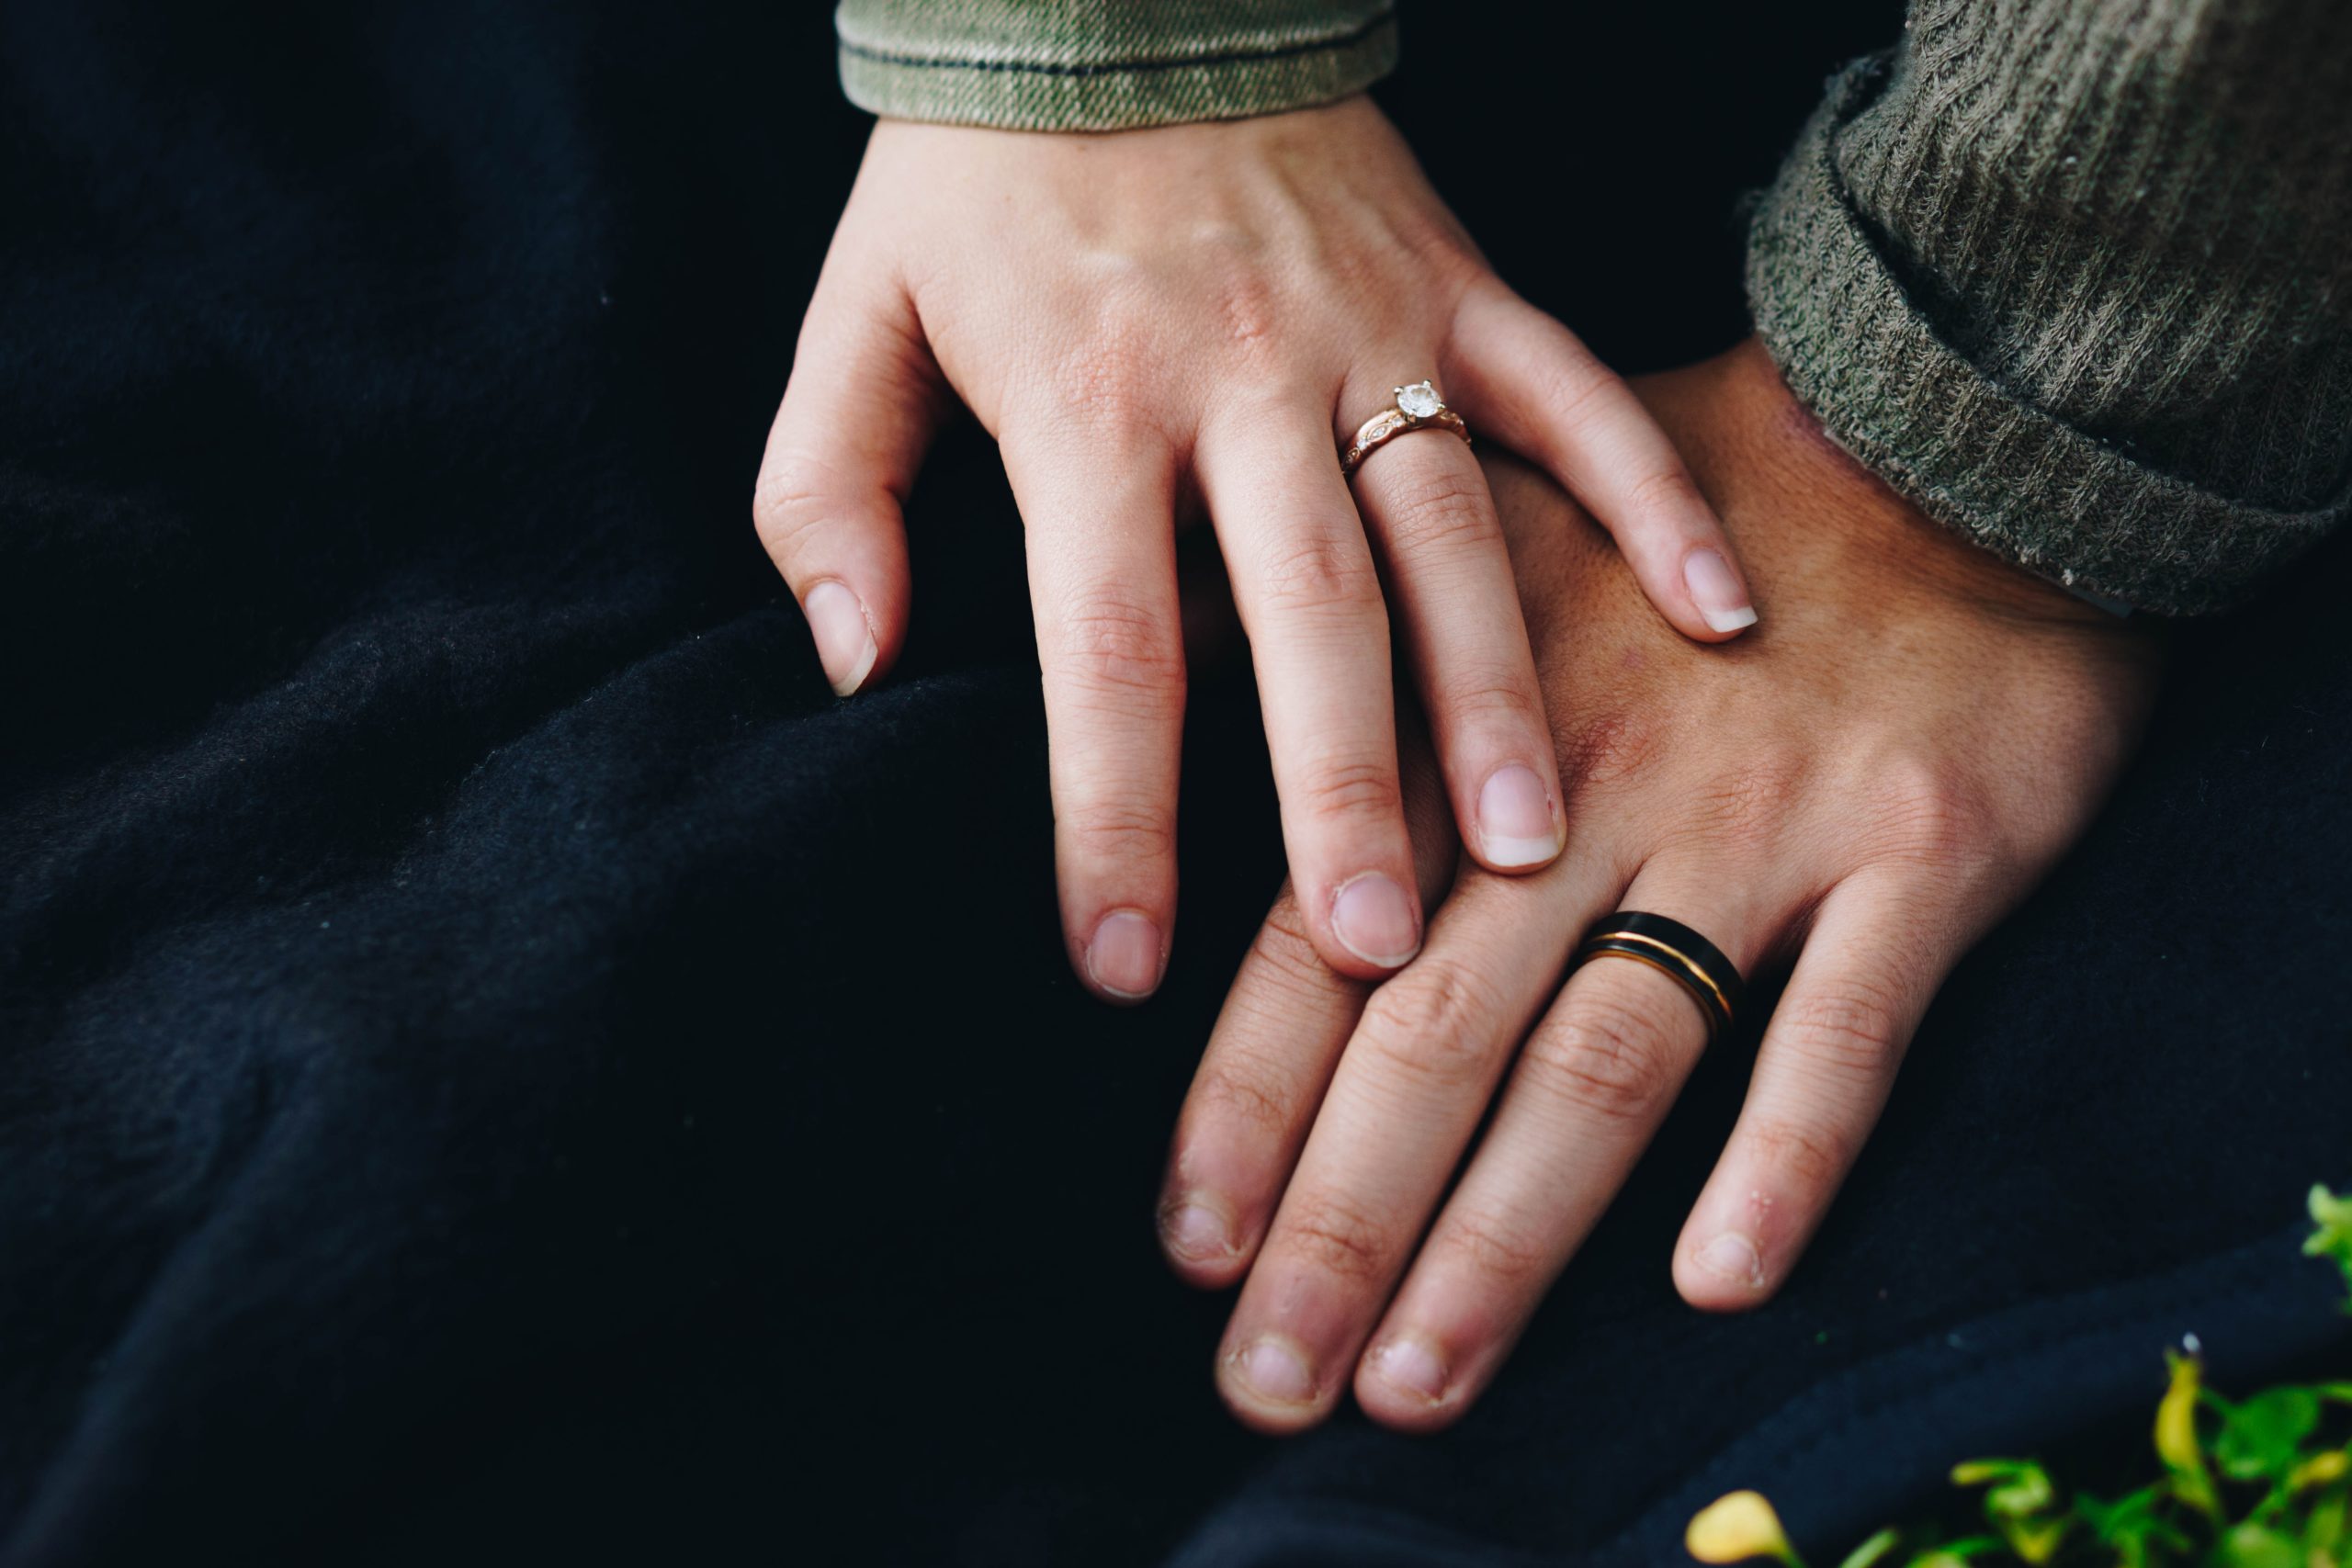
[(1590, 1087), (1409, 1092), (1309, 599)]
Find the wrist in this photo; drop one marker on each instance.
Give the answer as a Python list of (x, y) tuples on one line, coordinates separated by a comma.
[(1857, 528)]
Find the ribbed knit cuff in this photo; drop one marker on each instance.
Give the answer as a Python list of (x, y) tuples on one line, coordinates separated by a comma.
[(1108, 64), (1859, 352)]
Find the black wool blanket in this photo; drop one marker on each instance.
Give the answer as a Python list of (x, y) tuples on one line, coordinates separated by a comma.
[(496, 1064)]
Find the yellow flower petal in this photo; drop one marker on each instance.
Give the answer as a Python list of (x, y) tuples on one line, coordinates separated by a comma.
[(2319, 1470), (2177, 1418), (1734, 1528)]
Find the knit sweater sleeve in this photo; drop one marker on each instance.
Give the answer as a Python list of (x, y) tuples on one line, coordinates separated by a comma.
[(2075, 278), (1108, 64)]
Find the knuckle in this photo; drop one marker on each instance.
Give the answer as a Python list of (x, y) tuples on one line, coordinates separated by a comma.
[(1752, 805), (1352, 790), (1335, 1236), (1577, 392), (1113, 644), (1110, 391), (1928, 816), (1117, 830), (1848, 1026), (1321, 570), (1813, 1157), (1491, 695), (1661, 490), (1434, 1025), (1446, 262), (1498, 1249), (1245, 1091), (1607, 1059), (1247, 305), (1433, 509), (794, 493)]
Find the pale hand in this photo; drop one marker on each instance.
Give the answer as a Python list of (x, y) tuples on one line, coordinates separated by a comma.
[(1191, 318)]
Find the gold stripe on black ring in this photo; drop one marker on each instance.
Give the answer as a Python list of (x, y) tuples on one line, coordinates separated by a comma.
[(1681, 953)]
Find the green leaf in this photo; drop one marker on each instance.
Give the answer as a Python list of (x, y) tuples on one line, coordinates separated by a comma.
[(2259, 1438), (2131, 1525), (1870, 1551), (2251, 1546), (2324, 1530), (2023, 1495), (2035, 1541), (2128, 1513), (2322, 1469), (2019, 1488), (2332, 1215), (1977, 1472)]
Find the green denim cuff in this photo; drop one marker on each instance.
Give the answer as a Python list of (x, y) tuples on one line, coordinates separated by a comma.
[(1108, 64)]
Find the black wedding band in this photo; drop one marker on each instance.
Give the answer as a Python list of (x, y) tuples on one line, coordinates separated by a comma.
[(1681, 953)]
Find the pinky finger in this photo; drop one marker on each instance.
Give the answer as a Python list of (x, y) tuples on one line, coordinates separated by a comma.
[(1823, 1072), (1532, 383)]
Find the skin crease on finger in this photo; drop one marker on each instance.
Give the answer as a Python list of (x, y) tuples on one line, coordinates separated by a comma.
[(1914, 718)]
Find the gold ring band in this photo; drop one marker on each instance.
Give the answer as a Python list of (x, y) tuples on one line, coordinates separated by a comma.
[(1417, 407), (1677, 973), (1679, 952), (1671, 963)]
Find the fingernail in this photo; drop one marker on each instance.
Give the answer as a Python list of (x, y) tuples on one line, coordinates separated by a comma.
[(1375, 921), (1723, 602), (1194, 1230), (1124, 957), (1515, 825), (1274, 1373), (1412, 1367), (844, 638), (1732, 1256)]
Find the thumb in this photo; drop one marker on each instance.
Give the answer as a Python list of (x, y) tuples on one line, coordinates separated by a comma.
[(858, 412)]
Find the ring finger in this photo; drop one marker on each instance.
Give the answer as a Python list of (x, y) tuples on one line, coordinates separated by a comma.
[(1590, 1087), (1431, 518)]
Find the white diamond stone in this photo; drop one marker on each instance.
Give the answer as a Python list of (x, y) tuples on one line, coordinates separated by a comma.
[(1419, 400)]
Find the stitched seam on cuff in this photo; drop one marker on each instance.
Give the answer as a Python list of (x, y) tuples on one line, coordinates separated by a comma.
[(1354, 35)]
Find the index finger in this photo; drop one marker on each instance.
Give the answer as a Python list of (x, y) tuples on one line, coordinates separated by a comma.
[(1283, 1024), (1110, 649), (1532, 384)]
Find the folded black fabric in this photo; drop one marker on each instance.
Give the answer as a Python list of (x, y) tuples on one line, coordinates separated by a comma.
[(496, 1064)]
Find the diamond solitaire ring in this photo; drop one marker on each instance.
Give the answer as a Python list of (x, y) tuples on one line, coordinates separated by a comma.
[(1417, 407)]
